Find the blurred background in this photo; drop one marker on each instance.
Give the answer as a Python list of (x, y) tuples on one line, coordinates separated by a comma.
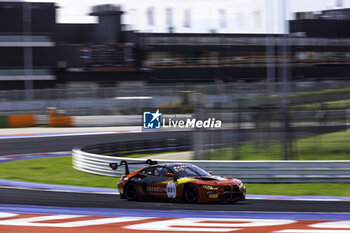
[(275, 72)]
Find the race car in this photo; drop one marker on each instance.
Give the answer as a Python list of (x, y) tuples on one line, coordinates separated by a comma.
[(179, 181)]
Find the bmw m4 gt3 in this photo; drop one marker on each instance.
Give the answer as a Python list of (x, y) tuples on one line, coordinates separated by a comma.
[(180, 181)]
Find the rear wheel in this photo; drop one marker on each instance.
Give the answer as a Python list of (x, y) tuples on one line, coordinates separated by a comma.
[(191, 193), (130, 191)]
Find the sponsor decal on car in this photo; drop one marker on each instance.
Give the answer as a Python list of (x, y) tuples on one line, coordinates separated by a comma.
[(156, 189)]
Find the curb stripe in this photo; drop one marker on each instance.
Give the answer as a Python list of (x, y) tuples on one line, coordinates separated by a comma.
[(33, 209), (297, 198), (49, 187), (6, 159)]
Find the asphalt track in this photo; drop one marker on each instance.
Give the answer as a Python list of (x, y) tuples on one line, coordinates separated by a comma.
[(66, 199), (66, 143)]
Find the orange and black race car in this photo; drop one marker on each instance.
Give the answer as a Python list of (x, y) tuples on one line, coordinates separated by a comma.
[(180, 181)]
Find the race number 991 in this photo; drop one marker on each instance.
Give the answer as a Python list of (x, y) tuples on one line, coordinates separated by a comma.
[(171, 190)]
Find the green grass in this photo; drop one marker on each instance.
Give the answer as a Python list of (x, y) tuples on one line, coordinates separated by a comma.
[(59, 171), (322, 92), (339, 104), (332, 146)]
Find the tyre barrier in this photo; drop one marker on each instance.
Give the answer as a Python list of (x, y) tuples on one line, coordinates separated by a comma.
[(87, 160), (60, 120), (17, 121)]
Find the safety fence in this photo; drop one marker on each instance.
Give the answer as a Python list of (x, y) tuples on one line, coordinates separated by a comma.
[(249, 171), (130, 100)]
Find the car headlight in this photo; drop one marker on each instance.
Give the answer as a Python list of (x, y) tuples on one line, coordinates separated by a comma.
[(241, 185), (210, 187)]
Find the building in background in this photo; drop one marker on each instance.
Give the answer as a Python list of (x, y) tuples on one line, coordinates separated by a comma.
[(99, 54), (106, 53), (196, 16), (27, 45), (328, 23)]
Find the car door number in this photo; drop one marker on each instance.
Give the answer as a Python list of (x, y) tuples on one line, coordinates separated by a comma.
[(171, 190)]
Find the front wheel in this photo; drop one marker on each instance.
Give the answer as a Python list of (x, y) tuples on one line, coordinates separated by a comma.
[(131, 192), (191, 193)]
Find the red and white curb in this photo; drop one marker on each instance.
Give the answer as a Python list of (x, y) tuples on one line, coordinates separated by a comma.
[(39, 223)]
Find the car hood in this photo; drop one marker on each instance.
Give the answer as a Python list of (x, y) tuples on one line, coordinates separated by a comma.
[(210, 180)]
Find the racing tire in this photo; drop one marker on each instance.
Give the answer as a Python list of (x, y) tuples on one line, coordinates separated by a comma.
[(191, 194), (130, 192)]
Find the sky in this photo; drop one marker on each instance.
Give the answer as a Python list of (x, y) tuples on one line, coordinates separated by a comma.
[(222, 16)]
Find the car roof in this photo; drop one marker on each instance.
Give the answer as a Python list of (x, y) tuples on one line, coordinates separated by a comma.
[(171, 164)]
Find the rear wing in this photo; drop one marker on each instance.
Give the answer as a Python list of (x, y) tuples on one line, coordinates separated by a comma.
[(125, 163)]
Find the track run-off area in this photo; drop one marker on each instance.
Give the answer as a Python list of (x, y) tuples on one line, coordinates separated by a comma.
[(28, 207)]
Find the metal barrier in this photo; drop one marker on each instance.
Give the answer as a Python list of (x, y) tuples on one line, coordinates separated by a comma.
[(248, 171)]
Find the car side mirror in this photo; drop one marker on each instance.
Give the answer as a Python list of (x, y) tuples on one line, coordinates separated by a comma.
[(170, 175), (114, 166), (210, 172)]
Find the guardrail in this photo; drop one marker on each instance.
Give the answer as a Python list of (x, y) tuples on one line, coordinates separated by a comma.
[(248, 171)]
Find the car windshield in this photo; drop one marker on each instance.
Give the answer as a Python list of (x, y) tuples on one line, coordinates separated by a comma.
[(189, 170)]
